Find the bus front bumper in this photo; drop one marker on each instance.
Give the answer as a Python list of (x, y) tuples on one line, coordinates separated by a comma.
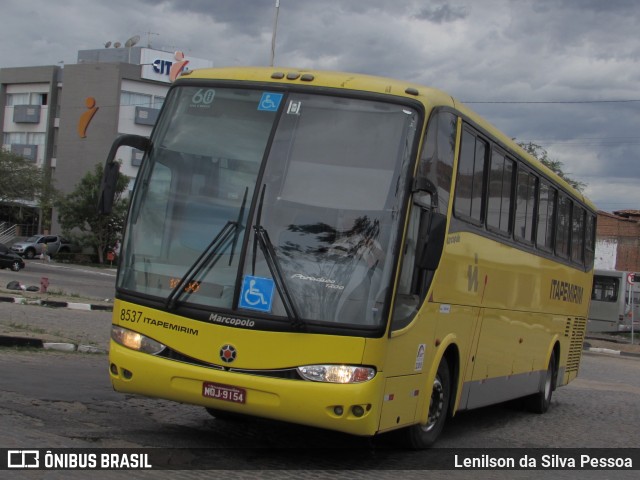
[(348, 408)]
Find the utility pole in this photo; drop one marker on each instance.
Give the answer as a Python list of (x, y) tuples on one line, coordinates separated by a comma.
[(273, 34)]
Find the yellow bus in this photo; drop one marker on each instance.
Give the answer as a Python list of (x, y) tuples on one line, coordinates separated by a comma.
[(343, 251)]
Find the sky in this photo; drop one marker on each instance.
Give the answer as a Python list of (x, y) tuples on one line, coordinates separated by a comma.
[(563, 74)]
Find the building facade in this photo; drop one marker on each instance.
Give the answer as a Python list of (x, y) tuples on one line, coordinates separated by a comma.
[(618, 241), (64, 119)]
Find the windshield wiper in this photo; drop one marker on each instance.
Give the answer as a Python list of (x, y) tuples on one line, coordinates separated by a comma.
[(276, 272), (201, 262)]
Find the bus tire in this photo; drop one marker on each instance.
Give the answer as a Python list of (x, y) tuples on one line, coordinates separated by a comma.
[(425, 435), (540, 402)]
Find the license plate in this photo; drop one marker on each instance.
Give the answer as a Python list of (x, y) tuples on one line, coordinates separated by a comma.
[(227, 393)]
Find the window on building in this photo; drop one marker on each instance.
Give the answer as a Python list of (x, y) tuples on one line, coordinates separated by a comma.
[(36, 138), (157, 101), (13, 138), (33, 98), (24, 138), (135, 99), (14, 99)]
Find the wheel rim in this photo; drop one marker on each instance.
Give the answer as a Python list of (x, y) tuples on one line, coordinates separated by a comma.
[(15, 267), (436, 406)]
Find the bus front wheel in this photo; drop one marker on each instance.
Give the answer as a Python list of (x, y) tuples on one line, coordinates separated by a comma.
[(540, 402), (424, 435)]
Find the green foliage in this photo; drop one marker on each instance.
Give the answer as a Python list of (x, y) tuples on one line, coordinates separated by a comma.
[(20, 179), (79, 210), (556, 165)]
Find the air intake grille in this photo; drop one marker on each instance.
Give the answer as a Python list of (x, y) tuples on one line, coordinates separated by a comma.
[(576, 328)]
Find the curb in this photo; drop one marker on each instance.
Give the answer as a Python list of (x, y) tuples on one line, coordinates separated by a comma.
[(57, 304), (609, 351), (13, 341)]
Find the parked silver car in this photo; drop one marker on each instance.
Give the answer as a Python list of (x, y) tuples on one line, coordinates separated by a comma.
[(32, 247)]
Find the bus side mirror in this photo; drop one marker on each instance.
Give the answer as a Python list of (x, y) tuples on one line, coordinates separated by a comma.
[(112, 168), (425, 193), (431, 232)]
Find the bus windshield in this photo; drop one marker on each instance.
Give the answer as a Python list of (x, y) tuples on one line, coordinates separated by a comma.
[(322, 178)]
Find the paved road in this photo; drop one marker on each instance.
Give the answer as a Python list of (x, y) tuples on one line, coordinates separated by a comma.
[(54, 400), (70, 280)]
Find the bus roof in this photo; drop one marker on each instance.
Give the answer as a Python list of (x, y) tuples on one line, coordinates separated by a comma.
[(430, 97)]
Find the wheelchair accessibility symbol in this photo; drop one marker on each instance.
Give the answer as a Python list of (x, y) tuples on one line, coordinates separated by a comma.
[(257, 293), (270, 102)]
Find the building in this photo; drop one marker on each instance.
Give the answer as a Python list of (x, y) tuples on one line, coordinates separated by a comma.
[(64, 119), (618, 241)]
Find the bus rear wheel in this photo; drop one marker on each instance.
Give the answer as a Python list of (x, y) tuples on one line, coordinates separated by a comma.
[(425, 435), (540, 402)]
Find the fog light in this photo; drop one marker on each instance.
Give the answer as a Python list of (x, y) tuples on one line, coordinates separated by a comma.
[(338, 410), (357, 411), (114, 369), (126, 374)]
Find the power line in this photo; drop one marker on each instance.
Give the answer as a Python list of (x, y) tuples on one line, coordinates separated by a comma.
[(546, 102)]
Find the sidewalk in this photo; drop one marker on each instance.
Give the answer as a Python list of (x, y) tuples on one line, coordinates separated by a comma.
[(53, 300), (612, 345), (57, 322)]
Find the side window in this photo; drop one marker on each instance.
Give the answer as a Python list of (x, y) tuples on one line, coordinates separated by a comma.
[(499, 201), (577, 234), (436, 162), (546, 209), (525, 205), (605, 289), (563, 226), (589, 240), (470, 180)]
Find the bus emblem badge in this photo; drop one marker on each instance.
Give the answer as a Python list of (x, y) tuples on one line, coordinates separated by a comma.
[(228, 353)]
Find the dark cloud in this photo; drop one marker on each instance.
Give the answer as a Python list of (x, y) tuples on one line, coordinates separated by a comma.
[(442, 13)]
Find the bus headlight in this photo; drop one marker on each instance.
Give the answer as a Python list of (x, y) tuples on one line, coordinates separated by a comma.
[(135, 341), (337, 373)]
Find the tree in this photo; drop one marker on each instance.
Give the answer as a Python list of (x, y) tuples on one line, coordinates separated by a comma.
[(79, 210), (556, 165), (20, 179)]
